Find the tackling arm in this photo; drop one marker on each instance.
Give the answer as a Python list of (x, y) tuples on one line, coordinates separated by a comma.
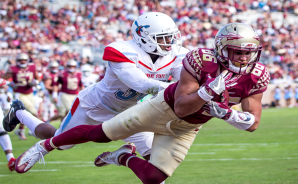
[(187, 100), (135, 78)]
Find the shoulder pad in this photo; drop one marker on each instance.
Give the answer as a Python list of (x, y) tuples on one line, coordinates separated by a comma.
[(200, 60), (120, 52), (260, 77)]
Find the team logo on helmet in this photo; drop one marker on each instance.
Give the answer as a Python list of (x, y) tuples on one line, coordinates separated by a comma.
[(229, 36), (140, 29), (257, 37)]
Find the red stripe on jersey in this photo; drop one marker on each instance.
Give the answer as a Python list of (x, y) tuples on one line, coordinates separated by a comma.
[(111, 54), (167, 64), (145, 65), (74, 106)]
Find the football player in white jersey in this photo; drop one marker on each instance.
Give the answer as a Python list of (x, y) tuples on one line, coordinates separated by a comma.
[(5, 141), (135, 68), (88, 78)]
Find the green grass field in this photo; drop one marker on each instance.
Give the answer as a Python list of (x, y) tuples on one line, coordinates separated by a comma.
[(220, 154)]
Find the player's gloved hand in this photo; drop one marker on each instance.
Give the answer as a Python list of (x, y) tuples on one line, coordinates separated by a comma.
[(219, 110), (214, 86), (33, 83), (13, 85)]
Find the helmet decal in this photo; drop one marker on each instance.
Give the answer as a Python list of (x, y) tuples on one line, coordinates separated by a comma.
[(229, 36), (257, 37), (139, 29)]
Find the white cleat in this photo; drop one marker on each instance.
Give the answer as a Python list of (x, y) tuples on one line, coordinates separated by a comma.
[(108, 158), (27, 160)]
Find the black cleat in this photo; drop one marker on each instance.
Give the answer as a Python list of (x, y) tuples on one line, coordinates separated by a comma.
[(10, 120)]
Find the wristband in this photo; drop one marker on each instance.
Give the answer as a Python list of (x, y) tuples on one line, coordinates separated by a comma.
[(241, 120), (202, 92), (55, 95)]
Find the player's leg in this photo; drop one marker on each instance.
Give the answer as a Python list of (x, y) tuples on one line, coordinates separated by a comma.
[(125, 124), (170, 145), (28, 101), (6, 145), (143, 142), (76, 116), (17, 114)]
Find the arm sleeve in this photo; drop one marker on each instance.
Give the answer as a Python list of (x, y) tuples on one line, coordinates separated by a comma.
[(135, 78)]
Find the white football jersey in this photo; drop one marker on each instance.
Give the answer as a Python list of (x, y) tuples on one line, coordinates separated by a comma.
[(3, 100), (117, 93), (91, 79)]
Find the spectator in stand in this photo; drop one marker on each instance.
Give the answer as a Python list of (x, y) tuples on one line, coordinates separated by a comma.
[(296, 95), (288, 92), (277, 96)]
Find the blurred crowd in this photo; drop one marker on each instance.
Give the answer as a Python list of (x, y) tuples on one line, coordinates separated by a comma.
[(97, 23)]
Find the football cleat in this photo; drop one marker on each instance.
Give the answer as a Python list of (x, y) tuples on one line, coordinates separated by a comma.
[(10, 120), (21, 134), (27, 160), (11, 164), (108, 158)]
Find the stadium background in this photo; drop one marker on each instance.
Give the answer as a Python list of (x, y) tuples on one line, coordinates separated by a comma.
[(74, 29)]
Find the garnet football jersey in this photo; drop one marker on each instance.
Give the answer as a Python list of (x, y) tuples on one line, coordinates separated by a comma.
[(70, 83), (22, 77), (201, 62), (53, 77)]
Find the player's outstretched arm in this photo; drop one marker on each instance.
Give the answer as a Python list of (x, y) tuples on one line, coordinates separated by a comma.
[(187, 100), (135, 78), (253, 105)]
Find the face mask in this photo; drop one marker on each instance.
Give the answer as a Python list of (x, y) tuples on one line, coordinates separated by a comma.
[(71, 70), (23, 65), (86, 74), (55, 71)]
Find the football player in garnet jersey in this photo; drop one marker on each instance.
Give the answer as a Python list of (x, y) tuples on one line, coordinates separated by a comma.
[(50, 79), (177, 113), (135, 68), (71, 84), (24, 76)]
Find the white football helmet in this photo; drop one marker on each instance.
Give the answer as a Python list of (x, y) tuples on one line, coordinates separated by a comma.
[(22, 57), (71, 63), (150, 26), (86, 70), (235, 37), (54, 66)]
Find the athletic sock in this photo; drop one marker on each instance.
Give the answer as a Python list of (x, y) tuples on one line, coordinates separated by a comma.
[(80, 134), (28, 119), (9, 156), (144, 170)]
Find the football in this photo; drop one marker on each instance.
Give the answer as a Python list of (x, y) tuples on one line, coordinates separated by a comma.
[(220, 98)]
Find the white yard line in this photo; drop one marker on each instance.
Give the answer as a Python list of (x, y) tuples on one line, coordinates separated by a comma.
[(232, 159), (201, 153), (220, 159), (45, 170)]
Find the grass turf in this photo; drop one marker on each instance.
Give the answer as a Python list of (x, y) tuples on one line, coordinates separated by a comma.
[(220, 154)]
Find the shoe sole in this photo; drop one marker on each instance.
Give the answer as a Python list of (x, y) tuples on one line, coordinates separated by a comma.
[(20, 169), (98, 159)]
